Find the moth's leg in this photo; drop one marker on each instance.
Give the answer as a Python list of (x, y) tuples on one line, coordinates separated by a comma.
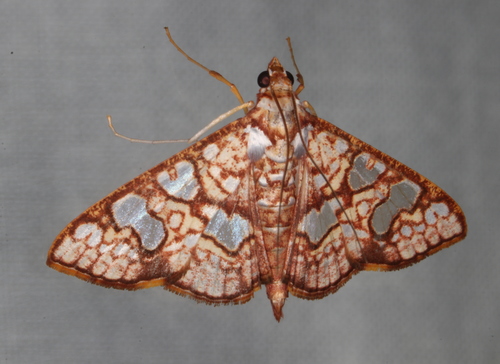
[(308, 106), (249, 104), (212, 73), (299, 75), (216, 121)]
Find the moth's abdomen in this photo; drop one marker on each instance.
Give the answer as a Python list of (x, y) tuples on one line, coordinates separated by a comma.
[(275, 194)]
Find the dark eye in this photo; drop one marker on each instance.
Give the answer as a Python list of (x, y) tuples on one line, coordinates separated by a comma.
[(264, 79), (290, 77)]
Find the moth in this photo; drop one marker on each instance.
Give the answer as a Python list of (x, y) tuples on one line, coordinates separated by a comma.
[(279, 198)]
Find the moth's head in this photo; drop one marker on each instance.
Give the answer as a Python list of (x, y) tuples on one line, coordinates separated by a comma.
[(276, 77)]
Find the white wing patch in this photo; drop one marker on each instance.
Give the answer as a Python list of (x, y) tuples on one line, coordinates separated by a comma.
[(73, 247), (318, 223), (402, 197), (185, 186), (230, 232), (257, 143), (91, 232), (210, 152), (364, 172), (131, 211), (298, 146)]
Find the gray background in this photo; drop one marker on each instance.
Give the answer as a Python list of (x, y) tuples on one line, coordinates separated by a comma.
[(419, 80)]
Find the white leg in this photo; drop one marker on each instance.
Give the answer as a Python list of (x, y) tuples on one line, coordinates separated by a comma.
[(249, 104)]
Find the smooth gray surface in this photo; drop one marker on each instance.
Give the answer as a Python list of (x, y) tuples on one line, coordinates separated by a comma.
[(418, 80)]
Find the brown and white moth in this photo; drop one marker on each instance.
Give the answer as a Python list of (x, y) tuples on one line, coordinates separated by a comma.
[(279, 198)]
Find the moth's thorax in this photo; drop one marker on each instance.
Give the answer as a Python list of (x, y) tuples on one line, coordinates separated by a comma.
[(286, 101), (272, 119)]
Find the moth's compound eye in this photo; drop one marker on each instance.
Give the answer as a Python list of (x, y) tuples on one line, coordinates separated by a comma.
[(290, 77), (264, 79)]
